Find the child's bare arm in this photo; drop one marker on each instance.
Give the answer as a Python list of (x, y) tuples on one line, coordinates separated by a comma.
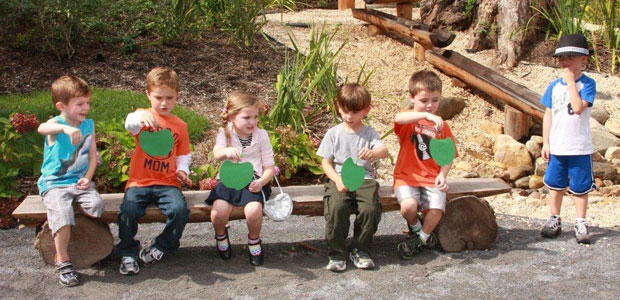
[(441, 182), (257, 185), (51, 128), (221, 153), (328, 168), (84, 182), (378, 152), (409, 116), (577, 104), (546, 130)]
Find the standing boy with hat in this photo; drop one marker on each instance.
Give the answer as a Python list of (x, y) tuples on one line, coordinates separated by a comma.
[(567, 140)]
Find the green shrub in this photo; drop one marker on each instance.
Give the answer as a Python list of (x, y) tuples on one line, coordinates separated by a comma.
[(292, 151), (106, 105), (115, 148), (20, 155), (241, 20), (563, 16)]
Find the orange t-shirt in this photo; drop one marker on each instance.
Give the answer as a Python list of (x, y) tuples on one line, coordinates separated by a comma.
[(146, 170), (414, 166)]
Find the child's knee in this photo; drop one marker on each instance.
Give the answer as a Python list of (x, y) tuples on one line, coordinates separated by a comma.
[(408, 206)]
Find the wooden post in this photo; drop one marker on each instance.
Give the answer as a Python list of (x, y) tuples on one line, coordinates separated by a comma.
[(404, 10), (346, 4), (516, 123), (374, 30), (420, 52)]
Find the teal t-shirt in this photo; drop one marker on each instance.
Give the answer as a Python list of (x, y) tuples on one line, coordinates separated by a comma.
[(64, 163)]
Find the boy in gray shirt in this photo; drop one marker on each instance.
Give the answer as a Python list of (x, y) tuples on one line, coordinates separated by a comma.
[(351, 139)]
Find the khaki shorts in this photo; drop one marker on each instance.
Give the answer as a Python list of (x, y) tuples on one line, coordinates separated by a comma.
[(59, 204), (427, 197)]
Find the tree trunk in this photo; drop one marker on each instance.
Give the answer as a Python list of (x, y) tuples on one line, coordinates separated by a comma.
[(91, 241), (501, 24), (468, 223)]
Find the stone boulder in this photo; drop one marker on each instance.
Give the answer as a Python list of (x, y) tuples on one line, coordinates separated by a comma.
[(450, 107), (536, 182), (602, 139), (599, 113), (612, 153), (605, 171), (540, 166), (533, 148), (492, 129), (511, 153), (613, 126)]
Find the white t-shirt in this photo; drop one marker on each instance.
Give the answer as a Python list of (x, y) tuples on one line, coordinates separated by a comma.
[(570, 133)]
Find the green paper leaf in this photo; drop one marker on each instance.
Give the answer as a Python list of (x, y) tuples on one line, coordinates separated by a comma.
[(442, 151), (236, 175), (157, 143), (352, 175)]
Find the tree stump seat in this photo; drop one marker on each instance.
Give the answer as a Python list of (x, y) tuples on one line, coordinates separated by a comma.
[(307, 201)]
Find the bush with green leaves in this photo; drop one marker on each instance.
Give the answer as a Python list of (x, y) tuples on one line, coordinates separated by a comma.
[(115, 147), (241, 20), (20, 155)]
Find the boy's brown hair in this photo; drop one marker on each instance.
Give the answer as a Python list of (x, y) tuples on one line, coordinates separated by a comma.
[(67, 87), (162, 76), (424, 80), (353, 97)]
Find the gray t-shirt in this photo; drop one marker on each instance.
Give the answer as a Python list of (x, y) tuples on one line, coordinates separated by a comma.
[(338, 145)]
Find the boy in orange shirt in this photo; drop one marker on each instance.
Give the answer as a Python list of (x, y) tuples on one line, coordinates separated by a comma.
[(419, 182), (155, 173)]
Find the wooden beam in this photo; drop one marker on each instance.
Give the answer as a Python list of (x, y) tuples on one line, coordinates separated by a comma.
[(516, 123), (495, 85), (346, 4), (404, 10), (419, 32), (308, 201)]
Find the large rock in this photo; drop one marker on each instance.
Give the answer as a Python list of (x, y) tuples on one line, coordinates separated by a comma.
[(537, 138), (523, 183), (602, 139), (533, 148), (483, 140), (450, 107), (492, 129), (536, 182), (511, 153), (613, 126), (612, 153), (599, 113), (604, 170), (515, 173), (540, 166)]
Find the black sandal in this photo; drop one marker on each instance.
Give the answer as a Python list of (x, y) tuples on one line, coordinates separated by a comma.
[(68, 277), (256, 260), (226, 254)]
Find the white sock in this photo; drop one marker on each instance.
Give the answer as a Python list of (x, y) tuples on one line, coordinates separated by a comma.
[(423, 236), (580, 220), (415, 227), (222, 242), (254, 246)]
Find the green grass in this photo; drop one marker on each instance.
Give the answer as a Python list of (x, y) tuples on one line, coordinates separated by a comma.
[(106, 105)]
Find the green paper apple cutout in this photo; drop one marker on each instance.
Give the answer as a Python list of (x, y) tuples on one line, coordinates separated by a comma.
[(352, 175), (442, 151), (156, 143), (236, 175)]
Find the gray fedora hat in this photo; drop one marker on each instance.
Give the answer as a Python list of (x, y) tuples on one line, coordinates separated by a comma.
[(572, 44)]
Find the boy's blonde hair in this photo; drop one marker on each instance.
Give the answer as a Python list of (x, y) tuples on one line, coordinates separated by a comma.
[(235, 102), (353, 97), (67, 87), (424, 80), (162, 76)]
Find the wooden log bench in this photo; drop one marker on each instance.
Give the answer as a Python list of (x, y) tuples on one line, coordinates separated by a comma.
[(469, 222)]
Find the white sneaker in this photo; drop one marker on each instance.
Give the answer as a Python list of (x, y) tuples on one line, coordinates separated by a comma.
[(129, 266), (150, 255), (360, 259), (336, 265)]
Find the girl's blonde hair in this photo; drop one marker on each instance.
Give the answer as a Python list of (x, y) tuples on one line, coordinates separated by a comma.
[(235, 102)]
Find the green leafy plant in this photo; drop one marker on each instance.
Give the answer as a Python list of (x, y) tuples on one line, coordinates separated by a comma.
[(241, 20), (115, 148), (607, 14), (200, 173), (20, 153), (469, 7), (293, 151), (307, 84), (563, 16)]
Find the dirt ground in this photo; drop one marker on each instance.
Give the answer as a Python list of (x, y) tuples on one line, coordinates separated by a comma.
[(521, 265)]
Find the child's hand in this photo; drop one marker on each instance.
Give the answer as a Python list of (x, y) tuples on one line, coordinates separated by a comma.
[(148, 120), (232, 153), (545, 152), (83, 183), (341, 187), (256, 186), (435, 119), (365, 154), (568, 75), (182, 177), (74, 134), (441, 183)]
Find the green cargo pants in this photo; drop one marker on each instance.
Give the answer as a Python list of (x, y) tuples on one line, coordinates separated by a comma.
[(364, 203)]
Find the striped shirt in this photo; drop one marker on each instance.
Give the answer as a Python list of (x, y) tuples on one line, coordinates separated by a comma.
[(246, 142)]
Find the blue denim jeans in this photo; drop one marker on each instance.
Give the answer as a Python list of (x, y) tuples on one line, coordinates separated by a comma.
[(172, 204)]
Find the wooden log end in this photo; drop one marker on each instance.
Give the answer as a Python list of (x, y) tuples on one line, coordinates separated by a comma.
[(468, 223), (91, 241), (374, 30)]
